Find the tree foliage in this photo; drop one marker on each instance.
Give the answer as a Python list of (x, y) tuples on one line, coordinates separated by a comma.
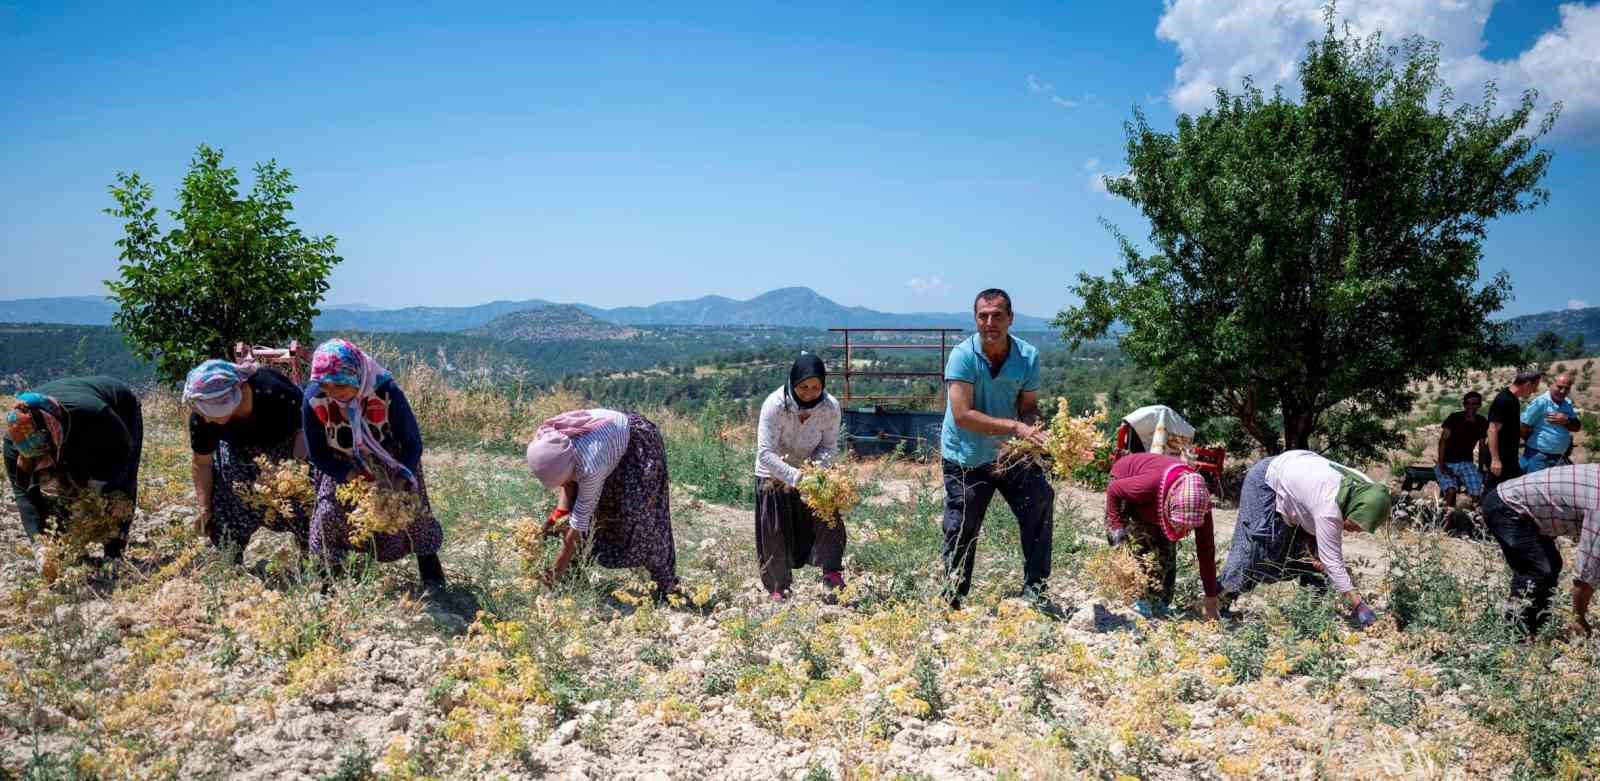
[(235, 269), (1313, 257)]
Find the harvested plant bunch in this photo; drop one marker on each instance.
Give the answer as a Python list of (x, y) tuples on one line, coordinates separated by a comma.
[(1070, 442), (376, 510), (527, 535), (1118, 574), (830, 491), (279, 487), (93, 517)]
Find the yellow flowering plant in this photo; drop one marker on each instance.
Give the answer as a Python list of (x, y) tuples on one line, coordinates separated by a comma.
[(376, 510), (829, 490), (1069, 442), (279, 487)]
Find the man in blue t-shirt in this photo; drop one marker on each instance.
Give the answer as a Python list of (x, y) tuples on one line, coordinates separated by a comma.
[(992, 384), (1547, 426)]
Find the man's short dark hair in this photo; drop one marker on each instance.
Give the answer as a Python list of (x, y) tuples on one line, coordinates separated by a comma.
[(992, 292), (1525, 377), (1470, 396)]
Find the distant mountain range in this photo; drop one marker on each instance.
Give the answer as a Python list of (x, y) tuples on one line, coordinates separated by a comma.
[(795, 307)]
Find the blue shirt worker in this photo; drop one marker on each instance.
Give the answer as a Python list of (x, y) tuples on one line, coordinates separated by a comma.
[(992, 384), (1547, 426)]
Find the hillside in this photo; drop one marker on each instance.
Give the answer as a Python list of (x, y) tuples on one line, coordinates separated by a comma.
[(549, 323), (1566, 323), (177, 665)]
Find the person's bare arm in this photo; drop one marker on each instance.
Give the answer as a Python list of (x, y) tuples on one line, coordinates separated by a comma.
[(1494, 451), (200, 471), (1028, 407), (1438, 457), (1581, 594), (970, 419)]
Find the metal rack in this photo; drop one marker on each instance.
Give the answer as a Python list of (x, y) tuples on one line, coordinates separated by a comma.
[(944, 346), (876, 430)]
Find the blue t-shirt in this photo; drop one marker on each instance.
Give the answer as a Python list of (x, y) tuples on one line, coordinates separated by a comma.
[(1544, 435), (993, 395)]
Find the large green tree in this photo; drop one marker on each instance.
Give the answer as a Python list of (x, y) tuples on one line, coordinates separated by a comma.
[(1312, 257), (235, 269)]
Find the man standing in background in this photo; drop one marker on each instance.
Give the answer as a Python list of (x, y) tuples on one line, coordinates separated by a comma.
[(1505, 427), (1547, 424)]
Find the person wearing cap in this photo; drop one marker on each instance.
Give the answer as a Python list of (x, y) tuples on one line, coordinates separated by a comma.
[(1548, 425), (1152, 502), (70, 436), (1526, 515), (609, 472), (1294, 503), (237, 414), (799, 425)]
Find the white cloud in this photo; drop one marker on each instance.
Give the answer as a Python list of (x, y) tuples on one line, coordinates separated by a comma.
[(1036, 86), (1577, 303), (929, 285), (1265, 39), (1097, 182), (1092, 164), (1064, 102)]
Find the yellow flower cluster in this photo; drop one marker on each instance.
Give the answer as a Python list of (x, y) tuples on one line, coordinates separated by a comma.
[(279, 488), (527, 536), (830, 491), (1070, 442), (93, 517), (377, 510), (1117, 574)]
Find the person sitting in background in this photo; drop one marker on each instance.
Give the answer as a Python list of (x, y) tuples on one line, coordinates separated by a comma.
[(609, 470), (1505, 427), (799, 424), (1525, 515), (1463, 431), (239, 413), (1547, 426), (359, 426), (69, 437), (1294, 501), (1152, 501)]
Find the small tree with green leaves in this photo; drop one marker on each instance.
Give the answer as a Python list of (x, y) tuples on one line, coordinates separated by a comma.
[(235, 269), (1316, 258)]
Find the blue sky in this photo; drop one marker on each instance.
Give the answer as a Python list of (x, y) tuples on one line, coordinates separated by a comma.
[(622, 153)]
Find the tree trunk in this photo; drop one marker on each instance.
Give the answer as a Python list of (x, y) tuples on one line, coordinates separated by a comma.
[(1298, 427)]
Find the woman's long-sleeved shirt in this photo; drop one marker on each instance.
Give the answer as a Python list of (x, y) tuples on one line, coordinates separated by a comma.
[(330, 437), (784, 442), (598, 453), (1136, 485), (102, 421), (1307, 487)]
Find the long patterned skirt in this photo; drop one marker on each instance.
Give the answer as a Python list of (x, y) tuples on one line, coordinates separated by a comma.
[(330, 528), (232, 520), (1265, 549), (633, 522)]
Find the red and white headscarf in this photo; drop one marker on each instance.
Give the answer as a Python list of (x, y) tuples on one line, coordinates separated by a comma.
[(1187, 501), (552, 457)]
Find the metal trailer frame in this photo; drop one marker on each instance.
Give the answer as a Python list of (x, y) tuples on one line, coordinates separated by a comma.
[(944, 347), (876, 430)]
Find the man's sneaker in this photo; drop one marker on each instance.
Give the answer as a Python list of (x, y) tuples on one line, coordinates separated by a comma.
[(1040, 601), (1150, 609)]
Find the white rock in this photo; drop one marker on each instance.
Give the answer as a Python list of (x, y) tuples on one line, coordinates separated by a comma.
[(565, 733), (941, 734)]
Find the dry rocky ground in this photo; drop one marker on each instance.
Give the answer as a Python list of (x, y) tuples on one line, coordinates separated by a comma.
[(178, 666)]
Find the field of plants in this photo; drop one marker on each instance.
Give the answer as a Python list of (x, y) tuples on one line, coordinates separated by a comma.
[(177, 665)]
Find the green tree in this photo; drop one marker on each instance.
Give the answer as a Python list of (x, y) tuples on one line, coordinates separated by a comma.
[(235, 269), (1545, 347), (1315, 257)]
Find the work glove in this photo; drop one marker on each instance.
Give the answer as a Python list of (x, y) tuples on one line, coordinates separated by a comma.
[(1364, 616)]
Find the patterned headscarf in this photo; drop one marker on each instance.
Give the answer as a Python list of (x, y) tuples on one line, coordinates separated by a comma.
[(212, 388), (34, 426), (552, 456), (339, 362), (1187, 505)]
